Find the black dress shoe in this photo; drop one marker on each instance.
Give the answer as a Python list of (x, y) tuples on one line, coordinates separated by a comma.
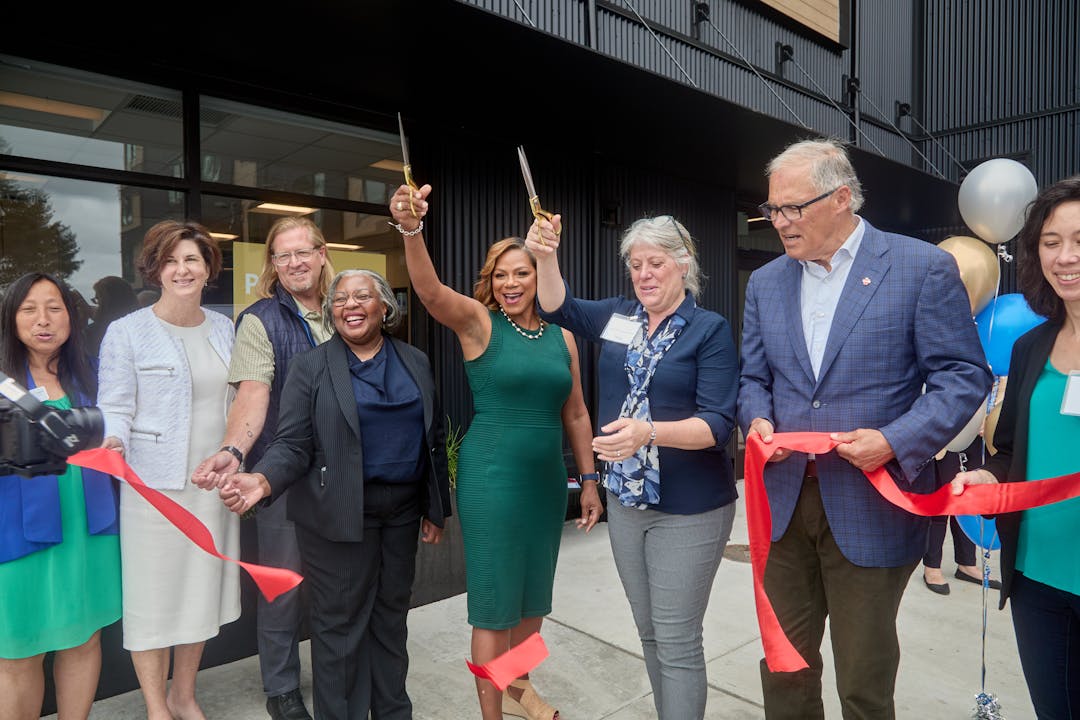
[(289, 706), (961, 575), (939, 588)]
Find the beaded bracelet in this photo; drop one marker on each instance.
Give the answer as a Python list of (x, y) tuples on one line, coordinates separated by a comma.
[(403, 231)]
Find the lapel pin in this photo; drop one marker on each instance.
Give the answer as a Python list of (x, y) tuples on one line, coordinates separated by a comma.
[(866, 281)]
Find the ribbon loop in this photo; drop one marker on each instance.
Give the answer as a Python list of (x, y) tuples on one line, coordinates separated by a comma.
[(780, 654)]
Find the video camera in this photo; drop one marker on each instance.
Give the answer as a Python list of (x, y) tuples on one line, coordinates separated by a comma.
[(35, 439)]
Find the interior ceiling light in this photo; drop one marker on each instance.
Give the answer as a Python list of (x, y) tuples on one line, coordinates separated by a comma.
[(343, 246), (53, 107), (224, 236), (389, 164), (277, 209)]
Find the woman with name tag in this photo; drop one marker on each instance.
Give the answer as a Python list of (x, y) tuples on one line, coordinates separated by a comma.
[(1035, 438), (59, 551), (511, 482), (668, 376)]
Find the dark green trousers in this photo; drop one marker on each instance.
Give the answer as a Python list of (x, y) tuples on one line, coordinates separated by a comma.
[(808, 579)]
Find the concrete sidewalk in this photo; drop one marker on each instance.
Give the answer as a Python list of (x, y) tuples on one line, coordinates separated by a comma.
[(595, 670)]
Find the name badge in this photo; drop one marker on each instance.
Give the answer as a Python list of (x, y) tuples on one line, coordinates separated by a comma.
[(1070, 403), (39, 393), (621, 329)]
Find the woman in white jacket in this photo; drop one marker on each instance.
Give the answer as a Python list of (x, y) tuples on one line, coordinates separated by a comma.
[(164, 393)]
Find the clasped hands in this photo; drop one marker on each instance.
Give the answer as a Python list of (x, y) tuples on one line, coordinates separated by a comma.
[(239, 491)]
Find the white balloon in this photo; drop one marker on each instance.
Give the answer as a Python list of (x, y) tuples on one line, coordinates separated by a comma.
[(971, 431), (994, 198)]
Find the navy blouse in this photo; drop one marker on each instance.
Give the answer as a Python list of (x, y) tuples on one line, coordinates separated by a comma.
[(391, 414), (697, 377)]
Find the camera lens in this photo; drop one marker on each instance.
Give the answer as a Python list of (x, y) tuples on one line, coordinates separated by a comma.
[(87, 425)]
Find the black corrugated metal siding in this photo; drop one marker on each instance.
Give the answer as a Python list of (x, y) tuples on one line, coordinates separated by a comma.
[(478, 198), (886, 62)]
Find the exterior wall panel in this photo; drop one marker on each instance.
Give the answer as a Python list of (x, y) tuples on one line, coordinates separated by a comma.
[(478, 198)]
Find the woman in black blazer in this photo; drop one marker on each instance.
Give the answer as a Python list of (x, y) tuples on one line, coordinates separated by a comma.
[(362, 445), (1035, 438)]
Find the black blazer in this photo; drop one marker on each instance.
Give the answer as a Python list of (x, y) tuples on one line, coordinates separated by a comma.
[(1009, 463), (317, 450)]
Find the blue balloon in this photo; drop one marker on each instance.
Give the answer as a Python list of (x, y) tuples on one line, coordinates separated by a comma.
[(981, 531), (1000, 323)]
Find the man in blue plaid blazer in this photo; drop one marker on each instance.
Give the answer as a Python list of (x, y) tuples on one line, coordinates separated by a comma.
[(869, 336)]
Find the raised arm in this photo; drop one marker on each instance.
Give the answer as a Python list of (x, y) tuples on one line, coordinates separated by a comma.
[(464, 315), (543, 241)]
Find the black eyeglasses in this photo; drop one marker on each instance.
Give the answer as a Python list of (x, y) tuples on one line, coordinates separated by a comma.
[(791, 212)]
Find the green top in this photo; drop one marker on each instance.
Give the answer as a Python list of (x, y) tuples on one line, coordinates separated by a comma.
[(1046, 551), (58, 597)]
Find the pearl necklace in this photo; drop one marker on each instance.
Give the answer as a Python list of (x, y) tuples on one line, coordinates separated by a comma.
[(527, 334)]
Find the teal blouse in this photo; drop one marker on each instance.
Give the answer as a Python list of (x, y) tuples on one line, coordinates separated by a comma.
[(1047, 546)]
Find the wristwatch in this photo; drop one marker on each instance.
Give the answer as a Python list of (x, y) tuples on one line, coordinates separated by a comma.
[(234, 451), (589, 476)]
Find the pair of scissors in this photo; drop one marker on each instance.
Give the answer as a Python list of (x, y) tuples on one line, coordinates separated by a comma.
[(534, 199), (407, 166)]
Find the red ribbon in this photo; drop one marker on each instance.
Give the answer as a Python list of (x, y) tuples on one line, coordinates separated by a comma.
[(271, 581), (513, 663), (780, 654)]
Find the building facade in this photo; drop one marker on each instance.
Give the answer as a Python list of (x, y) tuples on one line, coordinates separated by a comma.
[(234, 113)]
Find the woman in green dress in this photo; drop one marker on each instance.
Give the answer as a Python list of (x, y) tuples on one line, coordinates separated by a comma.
[(59, 551), (511, 481)]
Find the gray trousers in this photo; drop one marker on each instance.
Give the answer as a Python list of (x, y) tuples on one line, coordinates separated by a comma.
[(278, 623), (667, 564)]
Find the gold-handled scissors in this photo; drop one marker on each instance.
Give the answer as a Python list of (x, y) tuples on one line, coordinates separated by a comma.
[(534, 200), (407, 166)]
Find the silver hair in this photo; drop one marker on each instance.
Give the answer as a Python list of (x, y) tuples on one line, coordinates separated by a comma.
[(393, 315), (667, 234), (830, 166)]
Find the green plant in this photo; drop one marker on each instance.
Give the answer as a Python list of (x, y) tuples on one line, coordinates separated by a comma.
[(454, 436)]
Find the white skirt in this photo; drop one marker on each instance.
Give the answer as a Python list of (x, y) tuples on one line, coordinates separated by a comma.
[(174, 592)]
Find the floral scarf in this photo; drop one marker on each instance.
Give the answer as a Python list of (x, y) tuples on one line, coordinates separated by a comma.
[(636, 480)]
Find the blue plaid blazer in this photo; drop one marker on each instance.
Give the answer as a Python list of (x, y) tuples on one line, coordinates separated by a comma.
[(903, 322)]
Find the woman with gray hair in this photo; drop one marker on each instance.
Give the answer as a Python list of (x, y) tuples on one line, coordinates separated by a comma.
[(362, 443), (668, 377)]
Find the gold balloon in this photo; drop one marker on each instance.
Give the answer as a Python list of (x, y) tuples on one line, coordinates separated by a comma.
[(995, 413), (979, 269)]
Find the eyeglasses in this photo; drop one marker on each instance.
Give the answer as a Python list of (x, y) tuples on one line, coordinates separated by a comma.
[(363, 297), (285, 257), (791, 212)]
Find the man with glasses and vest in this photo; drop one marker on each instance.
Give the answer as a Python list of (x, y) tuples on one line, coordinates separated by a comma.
[(287, 320), (841, 334)]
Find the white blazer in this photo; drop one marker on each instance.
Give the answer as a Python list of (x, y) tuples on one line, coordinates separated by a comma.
[(144, 391)]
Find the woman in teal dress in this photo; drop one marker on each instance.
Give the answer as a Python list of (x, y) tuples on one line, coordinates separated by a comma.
[(511, 480), (1036, 439), (59, 551)]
